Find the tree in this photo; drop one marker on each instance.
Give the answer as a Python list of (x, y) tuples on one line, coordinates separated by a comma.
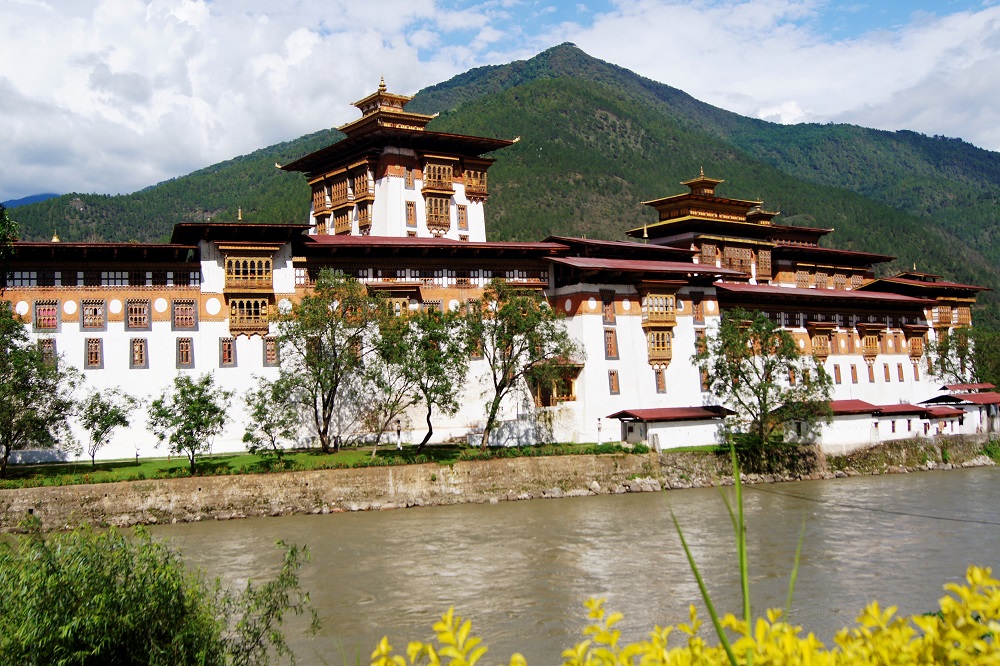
[(755, 367), (36, 394), (190, 415), (110, 598), (9, 232), (966, 356), (102, 413), (419, 358), (272, 417), (324, 341), (389, 376), (439, 363), (520, 337)]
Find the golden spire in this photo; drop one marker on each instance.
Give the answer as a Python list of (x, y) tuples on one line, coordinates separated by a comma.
[(239, 214), (55, 237), (645, 233), (701, 173), (381, 84)]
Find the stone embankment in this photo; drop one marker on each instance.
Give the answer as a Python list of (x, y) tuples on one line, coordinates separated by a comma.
[(326, 491)]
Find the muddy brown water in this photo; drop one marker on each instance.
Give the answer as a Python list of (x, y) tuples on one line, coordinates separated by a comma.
[(521, 570)]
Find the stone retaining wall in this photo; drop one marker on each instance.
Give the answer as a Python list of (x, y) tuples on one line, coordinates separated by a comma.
[(324, 491)]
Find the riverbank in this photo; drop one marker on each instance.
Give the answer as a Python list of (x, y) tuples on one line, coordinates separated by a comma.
[(481, 481)]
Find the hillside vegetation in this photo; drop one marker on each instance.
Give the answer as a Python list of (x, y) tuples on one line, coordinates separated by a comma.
[(596, 140)]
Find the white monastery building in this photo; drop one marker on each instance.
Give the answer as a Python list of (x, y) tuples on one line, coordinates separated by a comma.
[(401, 209)]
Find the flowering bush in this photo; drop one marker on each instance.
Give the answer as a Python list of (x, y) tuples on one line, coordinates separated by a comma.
[(966, 630)]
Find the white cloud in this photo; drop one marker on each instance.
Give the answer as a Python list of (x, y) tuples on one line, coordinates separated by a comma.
[(114, 95)]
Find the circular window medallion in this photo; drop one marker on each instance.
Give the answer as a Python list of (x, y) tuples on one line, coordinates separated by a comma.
[(843, 343), (802, 344), (569, 305), (115, 306), (626, 304), (69, 307), (710, 306), (453, 305), (592, 303), (21, 308), (160, 304), (213, 306)]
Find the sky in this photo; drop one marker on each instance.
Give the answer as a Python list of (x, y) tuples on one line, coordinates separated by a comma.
[(110, 96)]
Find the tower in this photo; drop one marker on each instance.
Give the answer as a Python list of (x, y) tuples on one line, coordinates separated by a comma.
[(390, 176)]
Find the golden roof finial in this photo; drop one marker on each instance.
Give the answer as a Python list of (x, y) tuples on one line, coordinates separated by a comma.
[(381, 84), (645, 233), (55, 237), (914, 265), (239, 214), (702, 172)]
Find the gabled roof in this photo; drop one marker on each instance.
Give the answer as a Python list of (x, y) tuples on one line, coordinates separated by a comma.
[(642, 266), (815, 252), (964, 398), (628, 248), (979, 398), (845, 407), (901, 409), (663, 414), (852, 295), (944, 412), (968, 387)]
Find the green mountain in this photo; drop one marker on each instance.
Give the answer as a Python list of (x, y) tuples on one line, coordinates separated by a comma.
[(596, 140)]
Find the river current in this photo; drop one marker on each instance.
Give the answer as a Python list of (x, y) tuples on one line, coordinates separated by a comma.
[(522, 570)]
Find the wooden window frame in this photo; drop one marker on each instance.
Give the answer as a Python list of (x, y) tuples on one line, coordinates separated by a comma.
[(660, 380), (47, 349), (179, 319), (138, 314), (610, 344), (93, 354), (854, 373), (227, 352), (608, 307), (185, 353), (411, 214), (46, 315), (138, 353), (97, 319), (614, 382), (272, 352)]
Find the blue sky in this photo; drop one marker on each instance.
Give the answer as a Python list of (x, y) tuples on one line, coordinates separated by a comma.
[(111, 96)]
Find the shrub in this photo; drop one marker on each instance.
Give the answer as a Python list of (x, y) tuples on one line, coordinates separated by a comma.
[(89, 597), (966, 630)]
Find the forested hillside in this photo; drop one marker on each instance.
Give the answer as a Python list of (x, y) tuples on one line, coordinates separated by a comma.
[(596, 140)]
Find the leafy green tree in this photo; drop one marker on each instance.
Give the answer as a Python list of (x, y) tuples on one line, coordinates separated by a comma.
[(323, 342), (438, 363), (966, 355), (389, 376), (755, 368), (272, 417), (9, 232), (188, 416), (102, 413), (110, 598), (36, 393), (520, 337)]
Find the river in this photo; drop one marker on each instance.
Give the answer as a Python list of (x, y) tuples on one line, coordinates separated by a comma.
[(521, 570)]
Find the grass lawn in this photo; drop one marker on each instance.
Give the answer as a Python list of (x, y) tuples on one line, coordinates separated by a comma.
[(106, 471)]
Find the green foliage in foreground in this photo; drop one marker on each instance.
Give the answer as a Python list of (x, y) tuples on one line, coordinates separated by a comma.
[(966, 630), (89, 597)]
